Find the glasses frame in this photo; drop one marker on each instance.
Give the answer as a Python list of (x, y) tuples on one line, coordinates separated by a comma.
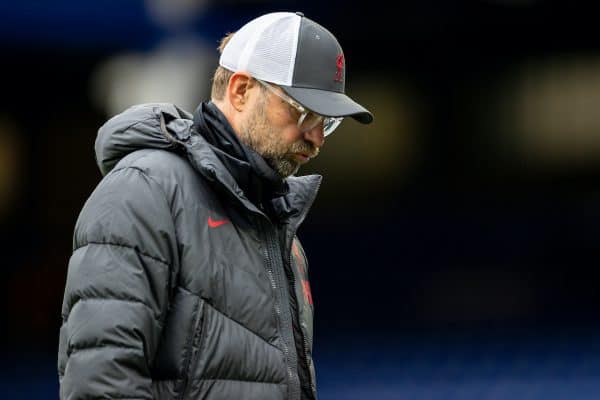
[(329, 123)]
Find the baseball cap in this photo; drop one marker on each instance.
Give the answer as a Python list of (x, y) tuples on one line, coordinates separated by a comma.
[(300, 56)]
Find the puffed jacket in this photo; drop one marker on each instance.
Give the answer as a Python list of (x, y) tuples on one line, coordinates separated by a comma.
[(178, 286)]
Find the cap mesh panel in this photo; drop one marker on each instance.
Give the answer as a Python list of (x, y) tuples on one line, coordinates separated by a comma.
[(266, 48)]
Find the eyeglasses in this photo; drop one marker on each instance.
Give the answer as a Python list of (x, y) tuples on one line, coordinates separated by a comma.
[(307, 120)]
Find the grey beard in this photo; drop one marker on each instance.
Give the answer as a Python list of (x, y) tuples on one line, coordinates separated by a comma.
[(283, 166), (267, 146)]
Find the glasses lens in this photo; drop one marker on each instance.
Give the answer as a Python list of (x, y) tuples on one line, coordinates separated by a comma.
[(330, 124), (310, 121)]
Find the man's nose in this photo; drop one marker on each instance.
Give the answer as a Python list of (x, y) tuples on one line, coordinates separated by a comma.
[(315, 135)]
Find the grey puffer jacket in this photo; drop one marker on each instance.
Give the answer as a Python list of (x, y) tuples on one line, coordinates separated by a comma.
[(179, 287)]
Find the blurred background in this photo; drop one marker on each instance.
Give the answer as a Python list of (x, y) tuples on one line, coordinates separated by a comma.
[(454, 244)]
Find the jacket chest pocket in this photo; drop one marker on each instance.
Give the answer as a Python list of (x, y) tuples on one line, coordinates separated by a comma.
[(180, 340)]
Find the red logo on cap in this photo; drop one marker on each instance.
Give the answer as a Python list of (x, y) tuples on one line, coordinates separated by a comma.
[(339, 64)]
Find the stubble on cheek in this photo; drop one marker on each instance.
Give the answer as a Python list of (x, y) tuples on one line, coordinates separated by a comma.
[(262, 137)]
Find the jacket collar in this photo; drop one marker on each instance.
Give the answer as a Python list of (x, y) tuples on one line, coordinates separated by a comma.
[(215, 150), (165, 126), (255, 177), (291, 207)]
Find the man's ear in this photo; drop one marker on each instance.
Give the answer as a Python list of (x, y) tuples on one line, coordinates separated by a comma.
[(238, 90)]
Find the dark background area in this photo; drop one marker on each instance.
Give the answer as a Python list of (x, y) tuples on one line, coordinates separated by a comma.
[(453, 248)]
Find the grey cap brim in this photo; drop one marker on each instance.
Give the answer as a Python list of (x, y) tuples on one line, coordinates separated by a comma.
[(329, 104)]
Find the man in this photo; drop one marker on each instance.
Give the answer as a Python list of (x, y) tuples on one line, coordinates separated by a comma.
[(187, 280)]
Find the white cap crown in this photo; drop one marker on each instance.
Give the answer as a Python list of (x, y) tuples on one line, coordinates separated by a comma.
[(265, 48)]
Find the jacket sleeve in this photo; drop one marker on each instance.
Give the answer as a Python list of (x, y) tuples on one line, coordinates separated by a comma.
[(117, 289)]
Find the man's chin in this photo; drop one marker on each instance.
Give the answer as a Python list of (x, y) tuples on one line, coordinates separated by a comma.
[(285, 166)]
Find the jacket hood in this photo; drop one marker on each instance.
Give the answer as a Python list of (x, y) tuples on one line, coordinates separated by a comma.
[(167, 127), (139, 127)]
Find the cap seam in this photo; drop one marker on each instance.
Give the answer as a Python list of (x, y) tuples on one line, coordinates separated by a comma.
[(292, 66)]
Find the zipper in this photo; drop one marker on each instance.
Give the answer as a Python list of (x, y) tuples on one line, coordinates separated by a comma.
[(283, 317), (286, 349)]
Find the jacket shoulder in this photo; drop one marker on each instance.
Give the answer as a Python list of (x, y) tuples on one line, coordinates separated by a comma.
[(155, 161), (171, 170)]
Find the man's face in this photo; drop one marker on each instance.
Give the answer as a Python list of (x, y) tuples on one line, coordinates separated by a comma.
[(270, 128)]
